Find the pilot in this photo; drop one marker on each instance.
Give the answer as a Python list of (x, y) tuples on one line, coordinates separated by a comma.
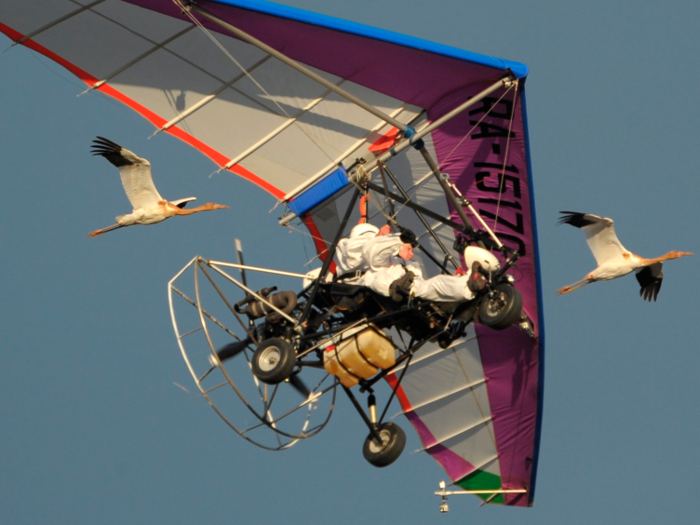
[(392, 272)]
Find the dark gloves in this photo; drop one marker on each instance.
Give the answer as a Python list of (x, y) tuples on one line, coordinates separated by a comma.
[(401, 287)]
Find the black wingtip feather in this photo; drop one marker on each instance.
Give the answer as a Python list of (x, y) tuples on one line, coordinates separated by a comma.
[(109, 150), (650, 284), (575, 219)]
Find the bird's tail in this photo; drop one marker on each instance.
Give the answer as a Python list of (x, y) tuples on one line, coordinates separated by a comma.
[(105, 230)]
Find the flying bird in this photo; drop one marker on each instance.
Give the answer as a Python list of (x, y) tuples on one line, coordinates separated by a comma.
[(149, 206), (613, 259)]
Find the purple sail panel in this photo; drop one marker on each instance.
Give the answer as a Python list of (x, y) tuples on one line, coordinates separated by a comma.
[(491, 169), (409, 74)]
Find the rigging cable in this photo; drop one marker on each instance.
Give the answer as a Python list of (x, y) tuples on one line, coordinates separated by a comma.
[(187, 12)]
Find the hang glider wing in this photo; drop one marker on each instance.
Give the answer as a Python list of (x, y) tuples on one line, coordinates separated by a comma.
[(476, 405)]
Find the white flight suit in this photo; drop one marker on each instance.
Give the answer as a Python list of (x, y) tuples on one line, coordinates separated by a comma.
[(384, 267), (348, 255)]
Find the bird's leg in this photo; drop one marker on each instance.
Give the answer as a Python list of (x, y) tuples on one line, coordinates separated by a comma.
[(105, 230), (575, 286)]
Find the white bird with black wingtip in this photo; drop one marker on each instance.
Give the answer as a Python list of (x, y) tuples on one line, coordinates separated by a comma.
[(613, 259), (149, 206)]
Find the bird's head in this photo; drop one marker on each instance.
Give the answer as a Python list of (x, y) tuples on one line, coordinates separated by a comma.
[(212, 206), (676, 254)]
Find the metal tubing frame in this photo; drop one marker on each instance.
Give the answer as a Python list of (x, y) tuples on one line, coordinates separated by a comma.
[(194, 264), (474, 234), (329, 258), (485, 491), (340, 329), (297, 66), (251, 292), (255, 269), (435, 169), (366, 386), (398, 383), (434, 235), (406, 201), (429, 127), (422, 132), (465, 203), (430, 256), (372, 428)]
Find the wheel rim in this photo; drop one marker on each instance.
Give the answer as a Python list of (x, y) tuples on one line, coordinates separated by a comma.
[(374, 448), (269, 358), (496, 303)]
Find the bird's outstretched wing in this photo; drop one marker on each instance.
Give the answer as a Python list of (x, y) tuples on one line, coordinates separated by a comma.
[(650, 278), (135, 173), (181, 203), (600, 234)]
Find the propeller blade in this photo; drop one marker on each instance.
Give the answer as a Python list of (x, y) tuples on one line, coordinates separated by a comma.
[(239, 253), (299, 386), (233, 349)]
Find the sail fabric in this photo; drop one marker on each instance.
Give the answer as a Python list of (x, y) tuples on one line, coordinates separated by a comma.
[(476, 406)]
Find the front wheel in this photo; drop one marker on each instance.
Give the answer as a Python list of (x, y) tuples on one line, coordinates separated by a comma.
[(501, 307), (274, 361), (393, 443)]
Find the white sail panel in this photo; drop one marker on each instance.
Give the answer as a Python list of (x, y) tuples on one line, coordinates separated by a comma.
[(43, 12), (231, 106), (288, 159), (117, 44), (196, 48), (286, 91)]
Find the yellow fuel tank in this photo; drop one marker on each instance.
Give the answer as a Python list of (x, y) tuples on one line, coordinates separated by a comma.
[(359, 353)]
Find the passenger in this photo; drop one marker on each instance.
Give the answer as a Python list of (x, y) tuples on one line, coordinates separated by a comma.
[(392, 272), (348, 255)]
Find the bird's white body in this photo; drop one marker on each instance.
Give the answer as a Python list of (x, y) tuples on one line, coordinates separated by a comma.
[(152, 215), (617, 267), (141, 216), (148, 205), (613, 259)]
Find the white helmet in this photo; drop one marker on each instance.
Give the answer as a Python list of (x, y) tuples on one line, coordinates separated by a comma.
[(487, 260), (312, 275), (363, 229)]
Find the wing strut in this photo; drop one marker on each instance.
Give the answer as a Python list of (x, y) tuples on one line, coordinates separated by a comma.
[(508, 82), (414, 140), (446, 189)]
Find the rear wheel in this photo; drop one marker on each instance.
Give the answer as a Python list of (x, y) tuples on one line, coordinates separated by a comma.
[(393, 443), (501, 307), (274, 361)]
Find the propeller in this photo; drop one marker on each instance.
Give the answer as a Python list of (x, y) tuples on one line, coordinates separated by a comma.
[(233, 349), (239, 253), (299, 385)]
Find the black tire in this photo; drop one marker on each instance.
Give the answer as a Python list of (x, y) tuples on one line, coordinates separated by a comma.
[(274, 361), (393, 443), (501, 307)]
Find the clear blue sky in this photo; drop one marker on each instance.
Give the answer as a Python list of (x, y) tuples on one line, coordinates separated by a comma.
[(93, 428)]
